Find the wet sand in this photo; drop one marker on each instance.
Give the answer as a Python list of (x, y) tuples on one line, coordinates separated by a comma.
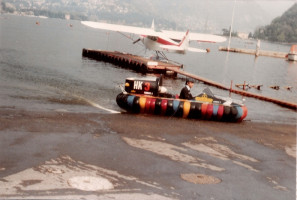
[(143, 156)]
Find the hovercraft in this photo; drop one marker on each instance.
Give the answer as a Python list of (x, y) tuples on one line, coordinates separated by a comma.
[(146, 95)]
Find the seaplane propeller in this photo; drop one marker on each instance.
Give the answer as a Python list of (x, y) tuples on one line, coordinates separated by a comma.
[(134, 42)]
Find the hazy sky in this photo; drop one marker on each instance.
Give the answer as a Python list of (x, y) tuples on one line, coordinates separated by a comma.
[(265, 10)]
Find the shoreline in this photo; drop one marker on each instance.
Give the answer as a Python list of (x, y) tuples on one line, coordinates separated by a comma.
[(12, 117), (142, 156)]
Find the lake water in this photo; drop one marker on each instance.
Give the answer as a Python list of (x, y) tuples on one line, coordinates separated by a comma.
[(43, 63)]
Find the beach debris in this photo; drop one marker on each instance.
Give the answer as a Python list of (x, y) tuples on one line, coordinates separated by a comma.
[(90, 183), (276, 185), (244, 86), (200, 179), (275, 87), (291, 150), (258, 87), (288, 87), (175, 153), (75, 175)]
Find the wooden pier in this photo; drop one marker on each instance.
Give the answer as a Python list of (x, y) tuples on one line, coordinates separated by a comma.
[(255, 52), (144, 65), (137, 63)]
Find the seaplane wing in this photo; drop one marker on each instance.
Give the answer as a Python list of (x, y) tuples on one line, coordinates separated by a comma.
[(176, 35), (121, 28), (159, 41)]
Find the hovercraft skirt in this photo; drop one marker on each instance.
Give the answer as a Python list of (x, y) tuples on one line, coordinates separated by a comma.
[(181, 108)]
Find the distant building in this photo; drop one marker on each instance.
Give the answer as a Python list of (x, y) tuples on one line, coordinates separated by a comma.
[(243, 35), (67, 16)]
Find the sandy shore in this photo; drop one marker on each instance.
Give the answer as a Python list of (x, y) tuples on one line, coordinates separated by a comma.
[(142, 156)]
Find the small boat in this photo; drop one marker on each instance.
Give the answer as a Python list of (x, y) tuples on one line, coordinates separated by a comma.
[(292, 56), (146, 95)]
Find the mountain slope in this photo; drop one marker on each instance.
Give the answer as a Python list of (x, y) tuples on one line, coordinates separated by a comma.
[(281, 29)]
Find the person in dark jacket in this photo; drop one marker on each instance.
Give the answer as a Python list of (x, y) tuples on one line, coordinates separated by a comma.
[(185, 93)]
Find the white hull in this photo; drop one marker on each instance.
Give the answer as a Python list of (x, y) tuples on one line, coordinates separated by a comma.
[(292, 57)]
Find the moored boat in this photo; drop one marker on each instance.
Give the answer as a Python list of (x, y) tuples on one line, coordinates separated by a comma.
[(292, 56), (147, 96)]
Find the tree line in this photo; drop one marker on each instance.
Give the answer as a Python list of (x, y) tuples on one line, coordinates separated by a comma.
[(281, 29)]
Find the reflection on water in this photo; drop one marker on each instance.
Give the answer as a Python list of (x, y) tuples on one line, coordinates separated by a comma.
[(49, 56)]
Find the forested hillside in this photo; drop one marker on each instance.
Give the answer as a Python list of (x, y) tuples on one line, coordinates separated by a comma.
[(281, 29)]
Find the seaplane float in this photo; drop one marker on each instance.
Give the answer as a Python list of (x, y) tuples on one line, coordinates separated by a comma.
[(147, 95)]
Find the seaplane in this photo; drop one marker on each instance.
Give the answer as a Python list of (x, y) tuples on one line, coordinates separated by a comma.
[(160, 41)]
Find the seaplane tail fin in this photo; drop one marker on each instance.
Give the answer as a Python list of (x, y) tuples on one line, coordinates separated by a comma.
[(184, 43), (153, 25), (196, 50)]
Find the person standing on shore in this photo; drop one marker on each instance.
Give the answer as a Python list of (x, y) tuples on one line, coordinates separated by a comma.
[(185, 93)]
